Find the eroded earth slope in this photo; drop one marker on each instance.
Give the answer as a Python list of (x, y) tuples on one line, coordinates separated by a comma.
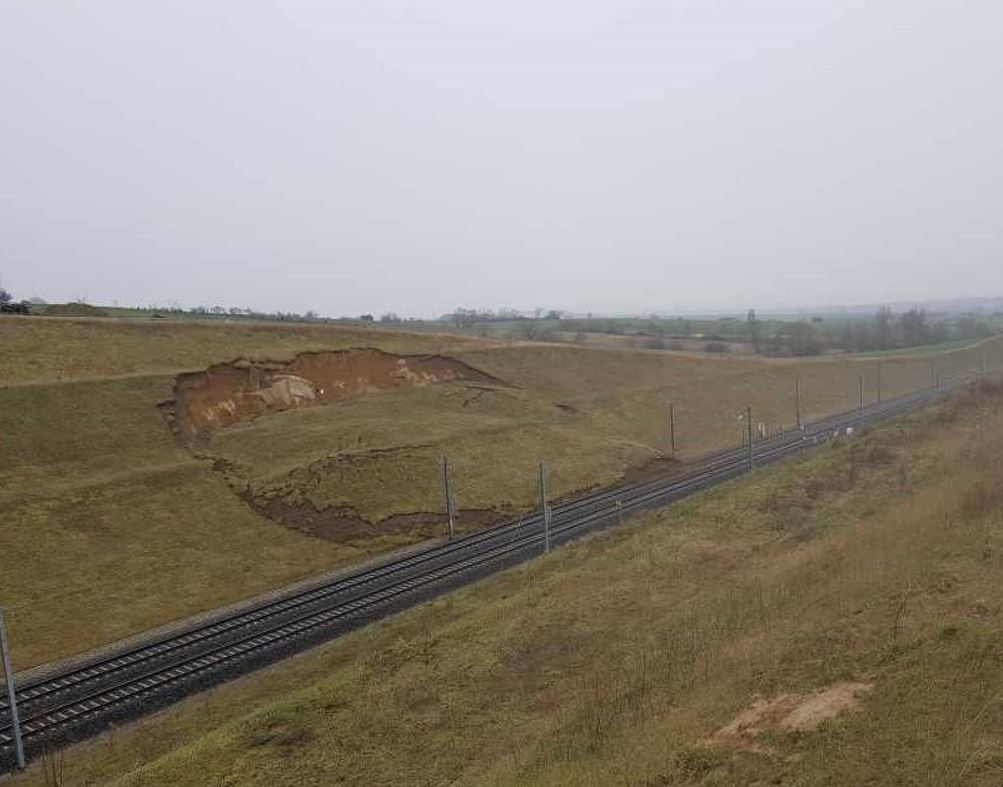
[(229, 393)]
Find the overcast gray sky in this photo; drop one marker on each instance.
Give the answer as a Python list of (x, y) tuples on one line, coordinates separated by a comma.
[(591, 156)]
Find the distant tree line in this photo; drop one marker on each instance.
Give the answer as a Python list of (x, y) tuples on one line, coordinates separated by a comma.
[(229, 313), (466, 318), (884, 330), (912, 328)]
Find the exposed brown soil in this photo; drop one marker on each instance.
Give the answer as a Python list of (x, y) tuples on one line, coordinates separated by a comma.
[(346, 526), (227, 393), (789, 713)]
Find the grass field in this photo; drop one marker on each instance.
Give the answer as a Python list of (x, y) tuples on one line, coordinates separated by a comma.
[(110, 526), (54, 349), (622, 659)]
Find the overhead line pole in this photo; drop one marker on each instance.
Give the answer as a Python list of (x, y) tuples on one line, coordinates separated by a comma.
[(450, 505), (11, 693), (544, 508), (672, 430), (748, 418), (860, 393), (797, 401), (879, 381)]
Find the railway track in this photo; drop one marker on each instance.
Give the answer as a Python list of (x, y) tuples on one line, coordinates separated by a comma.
[(126, 683)]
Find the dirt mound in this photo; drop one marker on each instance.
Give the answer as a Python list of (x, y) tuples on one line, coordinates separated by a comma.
[(231, 392), (789, 713)]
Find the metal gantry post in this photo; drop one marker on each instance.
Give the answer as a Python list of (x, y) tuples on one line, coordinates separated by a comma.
[(748, 419), (544, 508), (797, 401), (450, 505), (8, 672), (672, 430)]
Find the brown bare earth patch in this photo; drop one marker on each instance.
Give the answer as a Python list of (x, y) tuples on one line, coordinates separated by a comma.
[(789, 713), (345, 526), (228, 393)]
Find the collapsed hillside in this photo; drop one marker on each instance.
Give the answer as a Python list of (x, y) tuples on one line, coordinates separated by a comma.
[(227, 393), (367, 466)]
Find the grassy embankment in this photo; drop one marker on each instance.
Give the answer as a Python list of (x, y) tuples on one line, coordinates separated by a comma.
[(617, 660), (109, 527)]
